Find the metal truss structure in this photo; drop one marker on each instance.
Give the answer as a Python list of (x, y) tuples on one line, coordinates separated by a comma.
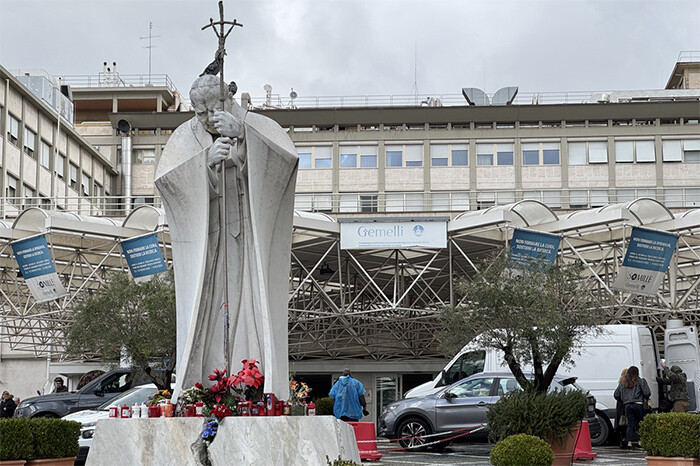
[(374, 305)]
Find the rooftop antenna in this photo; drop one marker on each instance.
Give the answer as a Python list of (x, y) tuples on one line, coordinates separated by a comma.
[(150, 37), (415, 72)]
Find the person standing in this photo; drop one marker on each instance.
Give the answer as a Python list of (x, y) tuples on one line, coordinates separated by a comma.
[(348, 398), (678, 394), (58, 383), (7, 405), (633, 392), (620, 418)]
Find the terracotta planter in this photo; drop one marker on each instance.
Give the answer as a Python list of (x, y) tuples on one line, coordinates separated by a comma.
[(52, 462), (12, 462), (671, 461), (563, 454)]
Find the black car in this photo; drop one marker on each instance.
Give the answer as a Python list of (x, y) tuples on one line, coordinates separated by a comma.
[(93, 394)]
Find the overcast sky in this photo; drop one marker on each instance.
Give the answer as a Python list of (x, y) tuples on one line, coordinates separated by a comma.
[(363, 47)]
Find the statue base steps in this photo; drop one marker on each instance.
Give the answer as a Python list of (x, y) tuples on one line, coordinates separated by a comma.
[(264, 441)]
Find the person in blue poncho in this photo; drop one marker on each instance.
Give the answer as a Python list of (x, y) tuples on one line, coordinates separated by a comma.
[(348, 398)]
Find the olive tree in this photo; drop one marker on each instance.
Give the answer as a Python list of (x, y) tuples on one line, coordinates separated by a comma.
[(131, 320), (537, 314)]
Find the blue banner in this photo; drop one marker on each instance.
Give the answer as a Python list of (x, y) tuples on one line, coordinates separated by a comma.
[(648, 255), (528, 245), (37, 268), (143, 255)]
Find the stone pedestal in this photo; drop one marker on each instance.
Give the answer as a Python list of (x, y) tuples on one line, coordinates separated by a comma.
[(264, 441)]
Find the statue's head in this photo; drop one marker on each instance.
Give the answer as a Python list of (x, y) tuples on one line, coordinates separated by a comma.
[(205, 96)]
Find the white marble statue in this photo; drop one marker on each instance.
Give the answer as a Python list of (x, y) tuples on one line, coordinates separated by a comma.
[(261, 167)]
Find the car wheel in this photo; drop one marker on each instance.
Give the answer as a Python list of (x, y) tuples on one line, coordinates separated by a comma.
[(413, 430), (600, 437)]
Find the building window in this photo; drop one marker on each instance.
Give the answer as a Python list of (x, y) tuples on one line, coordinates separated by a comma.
[(678, 197), (484, 154), (315, 157), (368, 156), (691, 150), (443, 155), (11, 188), (73, 173), (540, 153), (144, 156), (631, 151), (60, 165), (581, 153), (394, 158), (628, 195), (409, 154), (45, 154), (349, 156), (439, 155), (672, 151), (28, 196), (85, 183), (503, 151), (549, 198), (368, 203), (578, 199), (13, 130), (29, 142)]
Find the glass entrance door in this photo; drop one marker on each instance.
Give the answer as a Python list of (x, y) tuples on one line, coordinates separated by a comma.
[(387, 389)]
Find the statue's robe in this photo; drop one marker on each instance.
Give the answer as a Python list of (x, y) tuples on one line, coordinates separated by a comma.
[(259, 203)]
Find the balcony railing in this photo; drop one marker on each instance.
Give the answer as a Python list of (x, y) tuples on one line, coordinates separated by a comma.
[(111, 79), (387, 202)]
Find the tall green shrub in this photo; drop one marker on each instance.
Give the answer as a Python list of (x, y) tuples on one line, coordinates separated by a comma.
[(671, 434), (324, 406), (544, 415), (54, 438), (521, 450), (15, 439)]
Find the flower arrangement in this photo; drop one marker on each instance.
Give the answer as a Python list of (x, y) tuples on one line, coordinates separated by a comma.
[(298, 391), (221, 411), (194, 394), (209, 431), (248, 382), (160, 395)]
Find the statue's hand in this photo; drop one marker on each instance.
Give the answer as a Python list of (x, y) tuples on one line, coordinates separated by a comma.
[(219, 151), (227, 125)]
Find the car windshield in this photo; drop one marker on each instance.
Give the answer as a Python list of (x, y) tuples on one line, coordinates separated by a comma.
[(138, 395)]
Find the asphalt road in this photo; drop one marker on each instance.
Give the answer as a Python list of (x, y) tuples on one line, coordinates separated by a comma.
[(478, 454)]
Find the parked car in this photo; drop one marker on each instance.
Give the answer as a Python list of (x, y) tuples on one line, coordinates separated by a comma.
[(458, 406), (89, 417), (91, 395)]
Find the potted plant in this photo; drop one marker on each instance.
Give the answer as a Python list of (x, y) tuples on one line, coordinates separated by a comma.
[(298, 392), (671, 438), (520, 449), (15, 442), (554, 417), (54, 441)]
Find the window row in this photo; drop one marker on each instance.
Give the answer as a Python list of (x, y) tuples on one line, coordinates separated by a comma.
[(462, 201), (500, 153)]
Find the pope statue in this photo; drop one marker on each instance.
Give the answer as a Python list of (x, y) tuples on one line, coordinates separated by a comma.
[(260, 165)]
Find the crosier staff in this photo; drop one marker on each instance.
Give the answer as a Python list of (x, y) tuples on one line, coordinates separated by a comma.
[(219, 61)]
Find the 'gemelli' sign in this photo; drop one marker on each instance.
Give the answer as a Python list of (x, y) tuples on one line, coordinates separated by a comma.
[(36, 265)]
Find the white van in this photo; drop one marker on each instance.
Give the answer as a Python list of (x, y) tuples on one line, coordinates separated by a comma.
[(597, 367)]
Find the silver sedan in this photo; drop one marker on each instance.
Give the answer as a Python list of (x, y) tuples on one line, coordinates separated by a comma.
[(456, 407)]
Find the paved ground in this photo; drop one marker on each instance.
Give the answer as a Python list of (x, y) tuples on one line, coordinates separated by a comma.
[(478, 454)]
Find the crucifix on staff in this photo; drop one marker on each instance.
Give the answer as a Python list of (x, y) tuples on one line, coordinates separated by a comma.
[(218, 66)]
